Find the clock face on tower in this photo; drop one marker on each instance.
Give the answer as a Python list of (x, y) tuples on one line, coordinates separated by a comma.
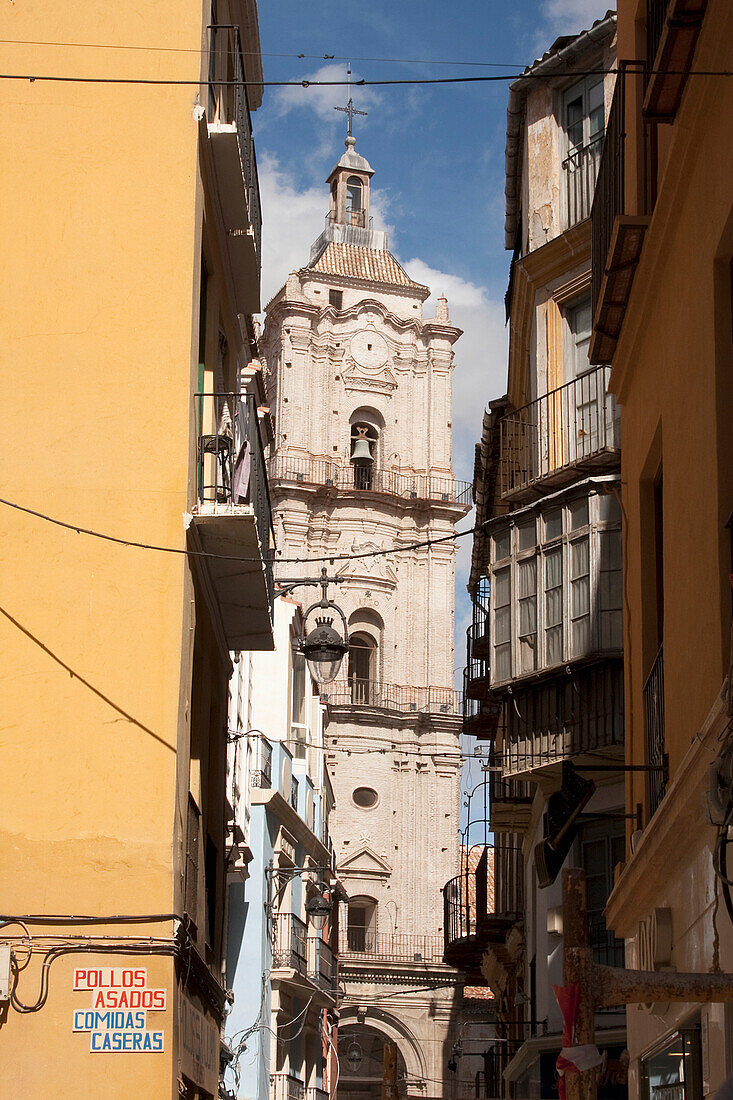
[(369, 349)]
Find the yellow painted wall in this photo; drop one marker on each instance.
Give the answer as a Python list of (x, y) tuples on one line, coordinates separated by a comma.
[(101, 241), (673, 372)]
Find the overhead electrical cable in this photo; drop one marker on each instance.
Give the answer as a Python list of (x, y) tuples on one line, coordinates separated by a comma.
[(234, 557), (363, 83), (257, 53)]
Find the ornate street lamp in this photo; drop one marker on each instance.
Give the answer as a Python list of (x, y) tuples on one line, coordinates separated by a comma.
[(324, 648), (319, 901), (319, 905)]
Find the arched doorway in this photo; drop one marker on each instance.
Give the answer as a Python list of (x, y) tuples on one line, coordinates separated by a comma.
[(367, 1058), (362, 667)]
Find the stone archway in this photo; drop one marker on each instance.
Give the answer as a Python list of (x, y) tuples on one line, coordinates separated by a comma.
[(361, 1041)]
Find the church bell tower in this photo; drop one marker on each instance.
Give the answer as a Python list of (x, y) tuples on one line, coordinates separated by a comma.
[(359, 384)]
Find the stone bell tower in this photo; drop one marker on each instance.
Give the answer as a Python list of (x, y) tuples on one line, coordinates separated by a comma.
[(359, 383)]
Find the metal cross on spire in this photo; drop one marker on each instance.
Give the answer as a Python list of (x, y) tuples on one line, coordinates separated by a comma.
[(350, 110)]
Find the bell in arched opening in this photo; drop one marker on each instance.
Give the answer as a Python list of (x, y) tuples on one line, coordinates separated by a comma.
[(363, 444)]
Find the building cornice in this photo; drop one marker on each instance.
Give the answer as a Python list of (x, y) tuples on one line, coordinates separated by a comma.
[(281, 809), (404, 290)]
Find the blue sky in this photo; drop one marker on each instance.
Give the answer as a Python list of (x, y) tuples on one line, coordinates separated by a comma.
[(437, 152)]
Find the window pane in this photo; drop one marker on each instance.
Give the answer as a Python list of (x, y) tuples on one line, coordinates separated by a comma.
[(527, 653), (578, 514), (527, 536), (581, 597), (502, 545), (527, 577), (581, 637), (502, 625), (579, 564), (553, 569), (553, 643), (553, 525), (553, 600), (611, 630), (553, 607), (595, 110), (528, 616), (502, 662), (574, 119), (581, 320), (298, 688), (609, 510), (611, 550), (502, 588), (595, 96)]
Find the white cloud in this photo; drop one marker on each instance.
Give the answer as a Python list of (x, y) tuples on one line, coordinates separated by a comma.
[(480, 355), (292, 219), (572, 16), (323, 99)]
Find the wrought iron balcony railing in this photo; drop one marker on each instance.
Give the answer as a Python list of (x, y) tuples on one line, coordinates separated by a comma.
[(510, 800), (566, 716), (357, 692), (262, 764), (581, 173), (365, 944), (616, 236), (302, 470), (480, 906), (481, 717), (228, 103), (290, 949), (231, 469), (476, 673), (285, 1086), (576, 426), (321, 964), (356, 218), (654, 728)]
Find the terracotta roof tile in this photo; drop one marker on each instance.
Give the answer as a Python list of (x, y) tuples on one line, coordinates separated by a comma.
[(355, 262), (477, 993)]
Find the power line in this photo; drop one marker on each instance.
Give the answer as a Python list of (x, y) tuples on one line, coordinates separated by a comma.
[(55, 78), (428, 751), (150, 81), (233, 557), (258, 53)]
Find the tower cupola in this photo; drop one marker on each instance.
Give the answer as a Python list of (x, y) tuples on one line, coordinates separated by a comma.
[(349, 183)]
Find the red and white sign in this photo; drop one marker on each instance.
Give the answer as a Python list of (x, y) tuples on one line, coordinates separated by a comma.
[(117, 1017)]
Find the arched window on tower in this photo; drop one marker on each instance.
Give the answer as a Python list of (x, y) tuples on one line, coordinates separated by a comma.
[(362, 925), (354, 205), (364, 440), (362, 667)]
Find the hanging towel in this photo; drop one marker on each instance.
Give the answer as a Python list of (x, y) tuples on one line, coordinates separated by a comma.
[(240, 477)]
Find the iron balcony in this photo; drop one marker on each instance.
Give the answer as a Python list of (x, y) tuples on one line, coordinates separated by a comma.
[(617, 236), (470, 923), (229, 128), (232, 518), (357, 692), (547, 443), (301, 470)]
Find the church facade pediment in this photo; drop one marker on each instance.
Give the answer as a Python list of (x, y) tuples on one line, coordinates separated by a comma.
[(364, 864)]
